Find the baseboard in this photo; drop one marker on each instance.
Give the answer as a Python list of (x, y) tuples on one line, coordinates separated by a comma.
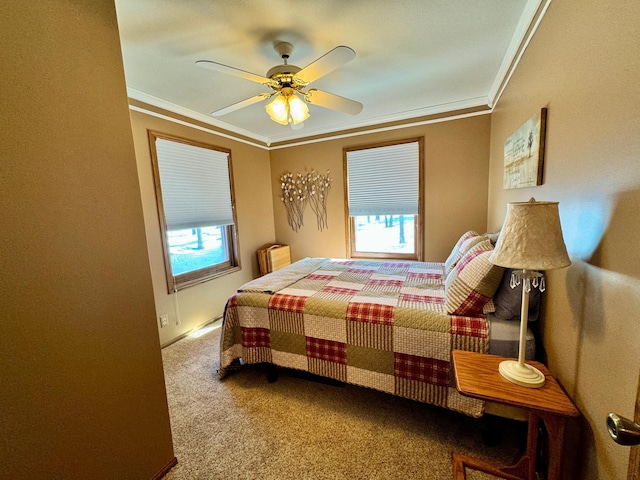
[(172, 463), (186, 334)]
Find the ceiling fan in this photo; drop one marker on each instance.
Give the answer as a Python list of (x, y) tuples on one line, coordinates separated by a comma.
[(288, 85)]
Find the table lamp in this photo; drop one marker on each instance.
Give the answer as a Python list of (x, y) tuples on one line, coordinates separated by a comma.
[(530, 241)]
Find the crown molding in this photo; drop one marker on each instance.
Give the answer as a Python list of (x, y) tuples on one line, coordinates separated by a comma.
[(338, 135), (169, 118), (185, 112), (407, 117), (436, 114), (530, 19), (375, 125)]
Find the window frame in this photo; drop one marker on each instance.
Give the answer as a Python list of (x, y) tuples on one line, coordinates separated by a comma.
[(194, 277), (350, 226)]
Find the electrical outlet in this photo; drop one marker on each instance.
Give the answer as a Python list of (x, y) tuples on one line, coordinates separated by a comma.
[(164, 320)]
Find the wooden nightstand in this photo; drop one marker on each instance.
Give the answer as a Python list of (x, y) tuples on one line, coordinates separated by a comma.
[(477, 376)]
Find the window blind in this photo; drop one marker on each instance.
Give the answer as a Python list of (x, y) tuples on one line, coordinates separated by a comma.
[(195, 182), (384, 180)]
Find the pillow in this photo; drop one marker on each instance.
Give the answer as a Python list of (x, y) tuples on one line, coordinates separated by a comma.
[(470, 243), (508, 301), (472, 282), (468, 239)]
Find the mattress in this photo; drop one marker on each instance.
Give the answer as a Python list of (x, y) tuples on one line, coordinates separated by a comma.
[(504, 338)]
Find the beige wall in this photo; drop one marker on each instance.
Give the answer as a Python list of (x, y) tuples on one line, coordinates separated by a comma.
[(583, 65), (81, 384), (455, 175), (201, 303)]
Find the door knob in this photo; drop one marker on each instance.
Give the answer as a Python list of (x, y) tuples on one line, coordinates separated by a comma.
[(622, 430)]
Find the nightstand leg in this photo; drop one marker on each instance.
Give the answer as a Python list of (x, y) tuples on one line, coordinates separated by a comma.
[(555, 430), (532, 444)]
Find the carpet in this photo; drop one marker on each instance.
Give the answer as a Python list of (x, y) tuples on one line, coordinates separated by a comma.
[(246, 428)]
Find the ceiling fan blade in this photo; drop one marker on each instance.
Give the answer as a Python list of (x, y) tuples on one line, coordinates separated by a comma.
[(219, 67), (334, 102), (242, 104), (326, 63)]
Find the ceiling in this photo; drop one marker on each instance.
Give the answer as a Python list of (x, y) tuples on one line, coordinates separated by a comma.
[(414, 58)]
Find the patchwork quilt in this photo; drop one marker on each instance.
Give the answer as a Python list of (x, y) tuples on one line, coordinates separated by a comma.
[(376, 324)]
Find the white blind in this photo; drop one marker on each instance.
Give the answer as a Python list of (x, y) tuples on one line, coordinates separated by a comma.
[(384, 180), (196, 190)]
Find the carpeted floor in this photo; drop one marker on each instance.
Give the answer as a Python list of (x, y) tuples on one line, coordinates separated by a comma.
[(246, 428)]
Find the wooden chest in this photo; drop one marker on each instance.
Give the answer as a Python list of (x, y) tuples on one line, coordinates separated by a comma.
[(273, 258)]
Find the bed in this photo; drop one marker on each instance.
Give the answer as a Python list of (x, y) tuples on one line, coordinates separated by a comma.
[(386, 325)]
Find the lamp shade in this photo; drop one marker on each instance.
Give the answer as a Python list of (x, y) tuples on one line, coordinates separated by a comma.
[(531, 238)]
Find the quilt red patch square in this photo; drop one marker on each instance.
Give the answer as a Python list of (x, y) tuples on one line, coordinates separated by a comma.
[(395, 265), (408, 297), (287, 303), (328, 350), (469, 326), (255, 337), (370, 313), (362, 271), (315, 276), (385, 283), (413, 276), (421, 369)]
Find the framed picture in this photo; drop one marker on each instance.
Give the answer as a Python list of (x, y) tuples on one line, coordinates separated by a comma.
[(524, 153)]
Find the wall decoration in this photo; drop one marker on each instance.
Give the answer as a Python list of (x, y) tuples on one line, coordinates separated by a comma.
[(294, 197), (320, 186), (299, 190), (524, 153)]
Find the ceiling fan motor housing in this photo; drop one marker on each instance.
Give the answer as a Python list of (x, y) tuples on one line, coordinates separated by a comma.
[(283, 70), (283, 74), (284, 49)]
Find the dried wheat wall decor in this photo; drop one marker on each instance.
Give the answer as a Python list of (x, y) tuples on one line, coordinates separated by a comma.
[(301, 189)]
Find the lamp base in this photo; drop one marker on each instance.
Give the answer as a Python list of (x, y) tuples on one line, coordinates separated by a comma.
[(521, 374)]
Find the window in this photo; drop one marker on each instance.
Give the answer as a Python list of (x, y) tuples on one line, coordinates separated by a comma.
[(383, 200), (194, 193)]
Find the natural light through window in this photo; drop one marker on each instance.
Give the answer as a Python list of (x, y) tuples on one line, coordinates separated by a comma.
[(385, 233), (194, 193), (383, 192), (196, 248)]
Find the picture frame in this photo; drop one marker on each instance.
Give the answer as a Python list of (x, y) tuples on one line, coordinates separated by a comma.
[(524, 153)]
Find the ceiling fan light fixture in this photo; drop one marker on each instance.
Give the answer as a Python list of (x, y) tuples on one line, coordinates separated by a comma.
[(287, 107), (278, 110), (298, 110)]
